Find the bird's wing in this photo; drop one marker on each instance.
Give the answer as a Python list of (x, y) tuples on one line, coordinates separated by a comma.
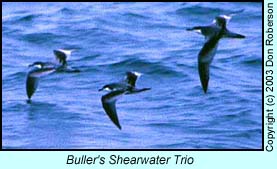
[(41, 72), (31, 85), (207, 31), (33, 79), (109, 105), (114, 87), (208, 50), (230, 34), (62, 55), (131, 78), (204, 74), (205, 58)]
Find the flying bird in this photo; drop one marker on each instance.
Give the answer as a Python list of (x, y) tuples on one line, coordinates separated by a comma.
[(128, 86), (213, 33), (41, 69), (38, 70)]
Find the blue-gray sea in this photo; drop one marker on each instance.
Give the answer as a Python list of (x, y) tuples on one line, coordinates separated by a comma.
[(112, 38)]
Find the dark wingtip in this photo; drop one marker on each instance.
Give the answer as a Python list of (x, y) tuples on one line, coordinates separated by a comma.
[(189, 29), (230, 34), (118, 126), (239, 36), (205, 87), (242, 36), (29, 101)]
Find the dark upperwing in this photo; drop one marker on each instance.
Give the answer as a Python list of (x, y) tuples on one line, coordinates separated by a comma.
[(109, 105)]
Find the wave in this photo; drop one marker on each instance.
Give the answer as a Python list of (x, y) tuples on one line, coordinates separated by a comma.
[(253, 61), (29, 18), (19, 19), (241, 58), (200, 10), (134, 15), (15, 76), (41, 38), (66, 11), (146, 66), (203, 10)]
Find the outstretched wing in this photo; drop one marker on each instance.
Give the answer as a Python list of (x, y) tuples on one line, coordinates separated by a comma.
[(109, 105), (204, 74), (207, 31), (33, 79), (31, 85), (131, 78), (230, 34), (62, 55), (205, 58)]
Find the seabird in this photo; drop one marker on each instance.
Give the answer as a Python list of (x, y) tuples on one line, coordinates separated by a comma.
[(128, 86), (213, 33), (39, 69)]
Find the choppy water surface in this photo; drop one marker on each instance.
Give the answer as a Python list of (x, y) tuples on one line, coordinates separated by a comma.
[(112, 38)]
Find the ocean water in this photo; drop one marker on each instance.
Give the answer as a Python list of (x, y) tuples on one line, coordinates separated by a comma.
[(112, 38)]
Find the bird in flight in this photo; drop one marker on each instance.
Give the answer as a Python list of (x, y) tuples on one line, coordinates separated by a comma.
[(40, 69), (128, 86), (213, 33)]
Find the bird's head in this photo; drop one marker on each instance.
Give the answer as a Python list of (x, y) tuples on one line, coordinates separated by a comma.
[(38, 65), (106, 87)]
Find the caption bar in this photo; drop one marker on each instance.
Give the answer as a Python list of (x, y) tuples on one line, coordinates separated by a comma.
[(134, 160)]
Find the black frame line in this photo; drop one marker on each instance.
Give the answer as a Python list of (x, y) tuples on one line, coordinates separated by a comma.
[(159, 149)]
